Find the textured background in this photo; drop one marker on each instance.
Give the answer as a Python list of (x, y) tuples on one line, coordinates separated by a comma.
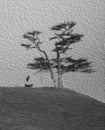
[(19, 16)]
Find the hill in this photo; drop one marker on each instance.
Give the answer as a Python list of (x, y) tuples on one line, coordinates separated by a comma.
[(49, 109)]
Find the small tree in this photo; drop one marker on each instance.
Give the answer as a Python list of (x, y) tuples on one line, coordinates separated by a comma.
[(41, 63), (63, 39)]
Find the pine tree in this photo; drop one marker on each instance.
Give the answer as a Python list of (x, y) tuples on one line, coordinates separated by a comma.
[(63, 39), (40, 63)]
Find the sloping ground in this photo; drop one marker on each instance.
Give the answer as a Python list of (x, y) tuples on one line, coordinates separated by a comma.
[(49, 109)]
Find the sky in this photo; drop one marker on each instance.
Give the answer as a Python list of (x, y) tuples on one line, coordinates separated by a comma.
[(19, 16)]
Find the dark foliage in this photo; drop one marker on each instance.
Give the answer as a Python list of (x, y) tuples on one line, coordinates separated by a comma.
[(39, 63), (63, 39)]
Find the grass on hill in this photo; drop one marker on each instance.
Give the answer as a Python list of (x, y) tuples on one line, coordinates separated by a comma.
[(49, 109)]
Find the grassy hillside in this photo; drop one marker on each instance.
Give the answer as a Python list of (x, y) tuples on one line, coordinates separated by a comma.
[(49, 109)]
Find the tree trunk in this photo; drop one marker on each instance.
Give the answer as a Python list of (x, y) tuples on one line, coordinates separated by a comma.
[(50, 68), (60, 84)]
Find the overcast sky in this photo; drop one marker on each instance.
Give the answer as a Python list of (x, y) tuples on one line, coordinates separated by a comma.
[(20, 16)]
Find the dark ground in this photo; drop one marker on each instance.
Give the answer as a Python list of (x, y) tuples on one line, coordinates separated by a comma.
[(49, 109)]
